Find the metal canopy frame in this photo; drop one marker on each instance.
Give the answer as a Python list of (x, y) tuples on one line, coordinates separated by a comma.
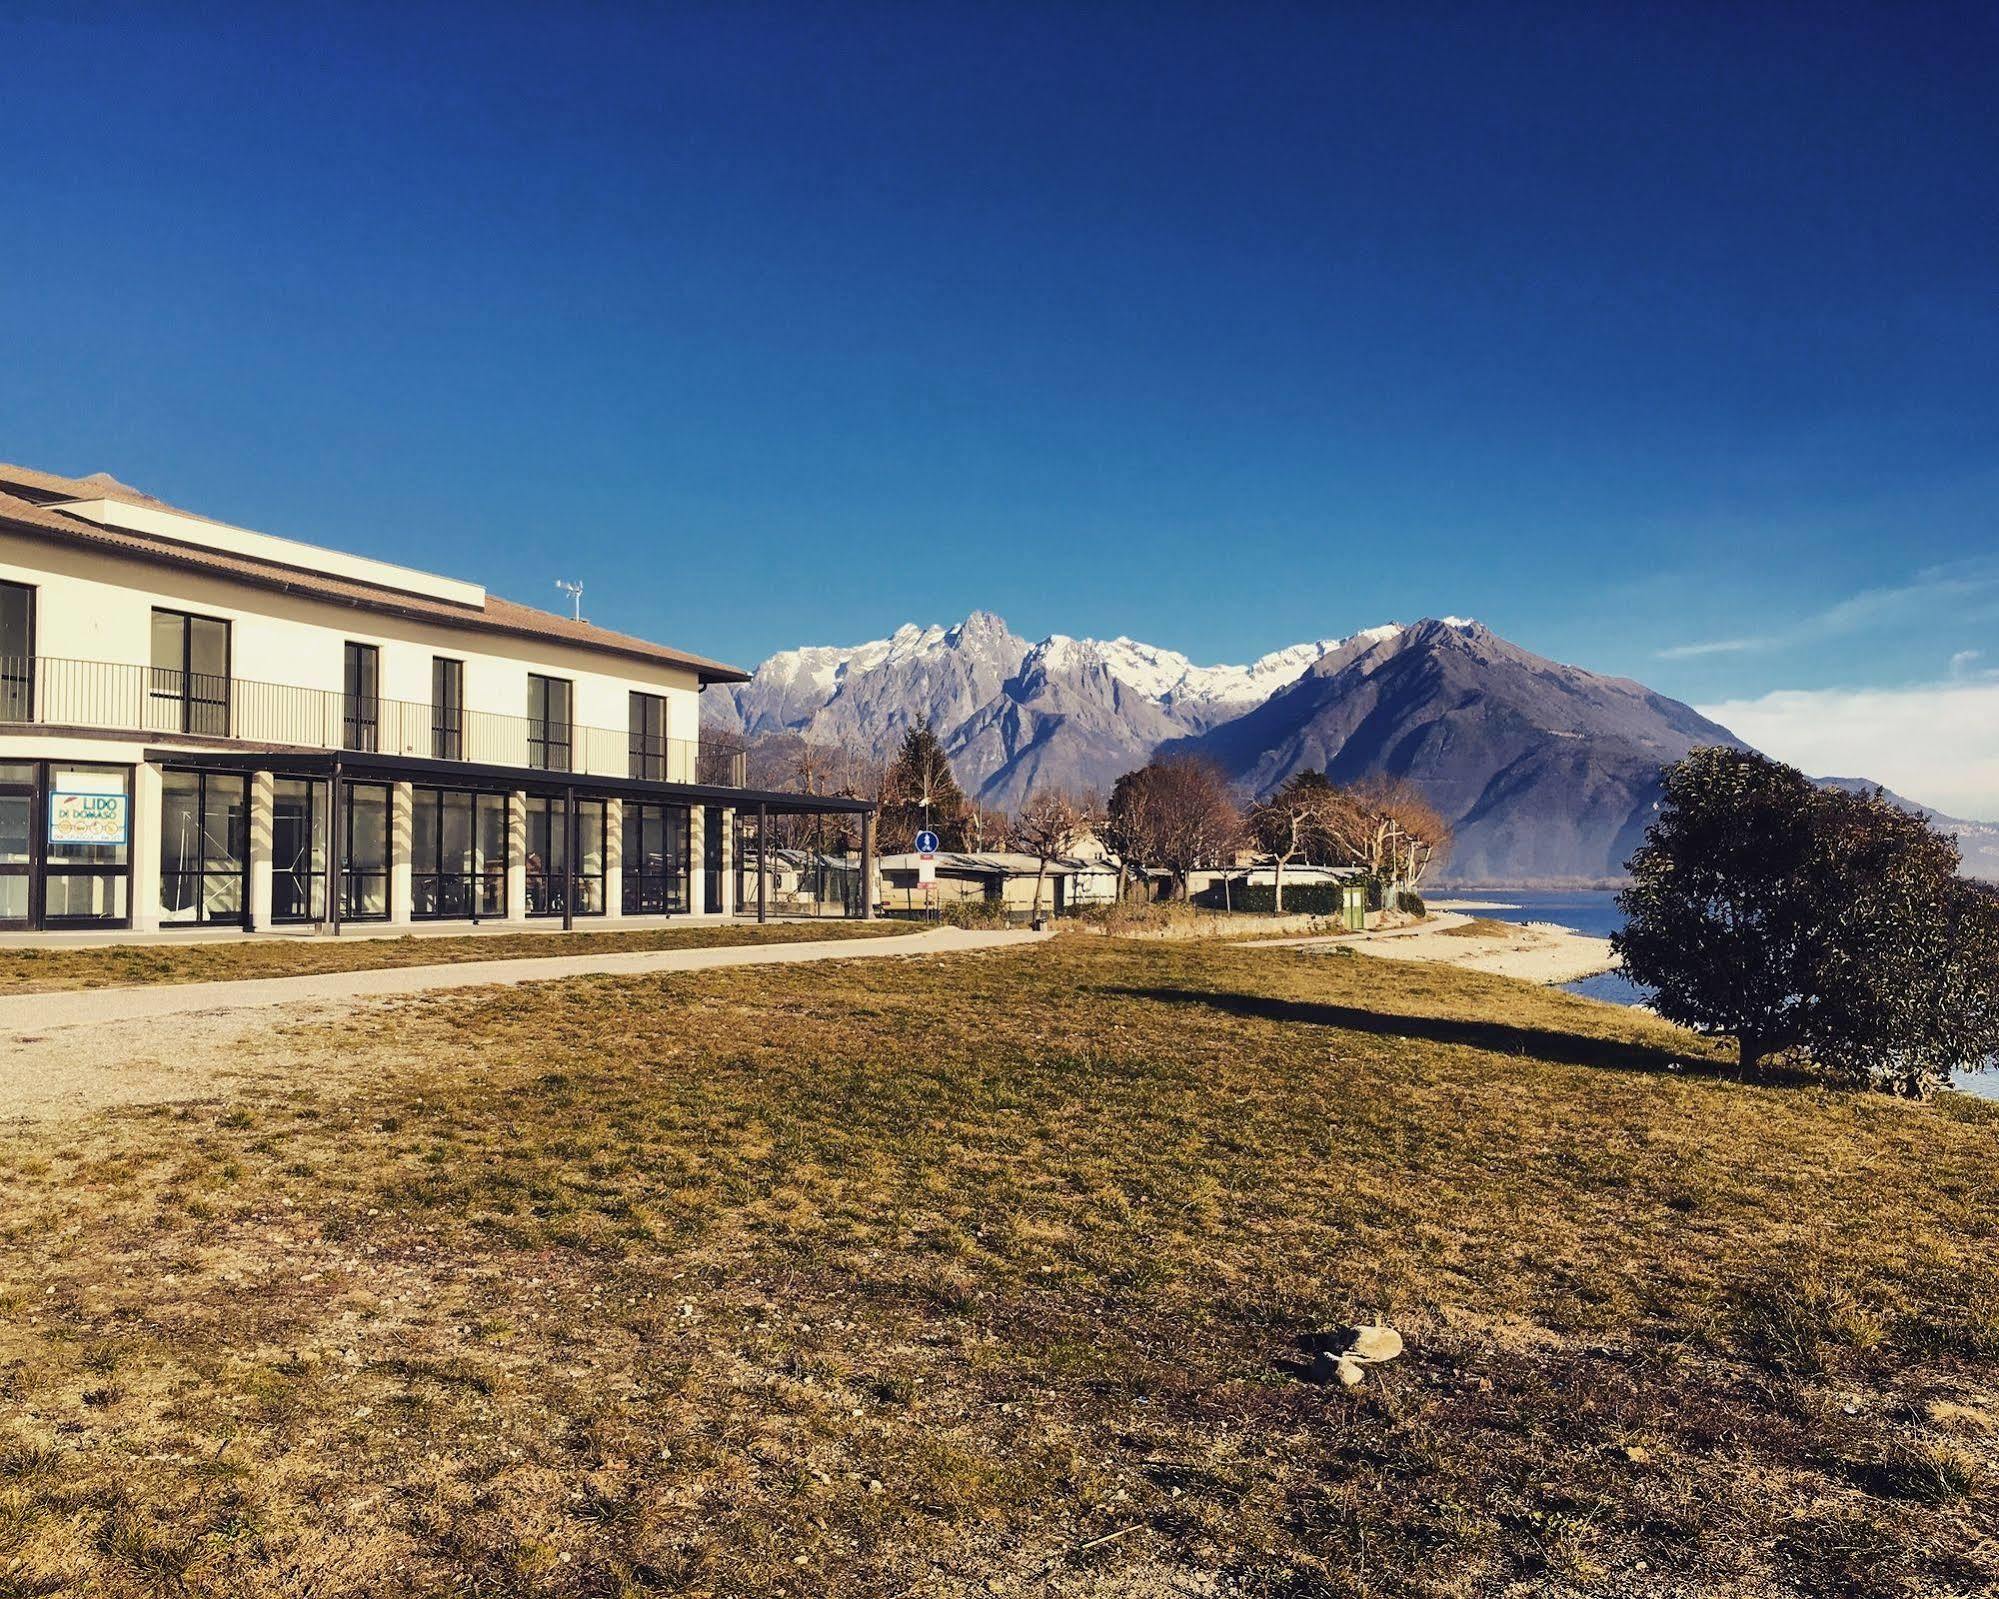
[(359, 764)]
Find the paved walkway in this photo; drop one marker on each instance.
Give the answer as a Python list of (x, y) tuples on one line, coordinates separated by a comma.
[(82, 1007), (65, 1054)]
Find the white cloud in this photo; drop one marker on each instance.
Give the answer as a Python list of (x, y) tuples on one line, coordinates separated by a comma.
[(1955, 589), (1937, 743)]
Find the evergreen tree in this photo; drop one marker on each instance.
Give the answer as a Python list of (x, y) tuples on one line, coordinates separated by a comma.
[(920, 790)]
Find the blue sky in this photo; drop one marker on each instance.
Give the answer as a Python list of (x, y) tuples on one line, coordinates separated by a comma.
[(1662, 339)]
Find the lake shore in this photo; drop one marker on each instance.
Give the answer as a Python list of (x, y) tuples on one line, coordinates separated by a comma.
[(1536, 952)]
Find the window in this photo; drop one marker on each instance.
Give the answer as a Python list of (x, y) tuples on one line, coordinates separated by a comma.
[(447, 709), (458, 854), (714, 858), (548, 855), (204, 846), (648, 736), (188, 689), (361, 697), (87, 868), (656, 859), (17, 653), (20, 788), (548, 722), (298, 852), (364, 853)]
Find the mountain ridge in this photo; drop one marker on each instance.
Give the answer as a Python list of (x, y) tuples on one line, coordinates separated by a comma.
[(1548, 772)]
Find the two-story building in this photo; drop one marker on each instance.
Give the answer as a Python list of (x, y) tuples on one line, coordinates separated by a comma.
[(201, 725)]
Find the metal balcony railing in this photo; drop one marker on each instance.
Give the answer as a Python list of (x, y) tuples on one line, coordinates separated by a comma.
[(119, 697)]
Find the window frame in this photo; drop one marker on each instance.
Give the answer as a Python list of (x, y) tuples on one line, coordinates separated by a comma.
[(541, 728), (314, 878), (17, 672), (646, 749), (185, 677), (346, 872), (476, 882), (200, 874), (447, 710), (360, 712)]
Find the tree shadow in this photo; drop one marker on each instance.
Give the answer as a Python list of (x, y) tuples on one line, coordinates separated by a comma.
[(1500, 1038)]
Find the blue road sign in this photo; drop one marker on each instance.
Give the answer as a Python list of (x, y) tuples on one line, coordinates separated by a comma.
[(926, 843)]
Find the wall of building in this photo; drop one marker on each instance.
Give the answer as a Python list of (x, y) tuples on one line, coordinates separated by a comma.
[(97, 606)]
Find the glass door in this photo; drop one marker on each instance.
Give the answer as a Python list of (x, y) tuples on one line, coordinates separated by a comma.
[(364, 874), (298, 852)]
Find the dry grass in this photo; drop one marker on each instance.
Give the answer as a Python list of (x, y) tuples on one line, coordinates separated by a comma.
[(984, 1274), (1479, 927), (33, 971)]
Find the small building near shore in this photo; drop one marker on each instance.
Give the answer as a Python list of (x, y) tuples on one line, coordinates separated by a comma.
[(995, 877)]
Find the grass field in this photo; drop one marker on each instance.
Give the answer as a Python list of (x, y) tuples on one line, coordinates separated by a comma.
[(985, 1274), (31, 971)]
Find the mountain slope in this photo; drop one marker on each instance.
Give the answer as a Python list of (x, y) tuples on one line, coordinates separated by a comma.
[(1544, 770)]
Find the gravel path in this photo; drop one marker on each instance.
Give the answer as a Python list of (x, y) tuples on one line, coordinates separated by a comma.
[(63, 1054)]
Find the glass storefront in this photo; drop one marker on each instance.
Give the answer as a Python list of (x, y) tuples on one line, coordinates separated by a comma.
[(86, 845), (204, 847), (547, 857), (298, 850), (458, 854), (657, 852), (364, 855)]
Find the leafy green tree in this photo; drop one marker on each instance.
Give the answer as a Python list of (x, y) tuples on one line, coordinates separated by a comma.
[(919, 789), (1818, 928)]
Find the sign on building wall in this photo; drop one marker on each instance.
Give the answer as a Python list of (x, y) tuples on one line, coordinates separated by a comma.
[(84, 809)]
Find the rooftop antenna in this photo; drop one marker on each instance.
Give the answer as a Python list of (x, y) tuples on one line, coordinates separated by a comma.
[(575, 593)]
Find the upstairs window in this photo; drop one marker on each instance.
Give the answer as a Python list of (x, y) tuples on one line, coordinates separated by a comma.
[(648, 736), (548, 723), (188, 687), (447, 708), (361, 698)]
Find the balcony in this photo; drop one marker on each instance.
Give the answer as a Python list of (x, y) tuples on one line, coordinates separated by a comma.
[(120, 698)]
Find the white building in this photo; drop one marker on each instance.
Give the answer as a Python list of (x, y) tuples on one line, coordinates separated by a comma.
[(200, 724)]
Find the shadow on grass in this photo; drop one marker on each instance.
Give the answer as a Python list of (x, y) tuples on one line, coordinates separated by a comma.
[(1501, 1038)]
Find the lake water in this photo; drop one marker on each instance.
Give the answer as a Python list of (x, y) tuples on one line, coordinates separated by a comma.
[(1594, 911)]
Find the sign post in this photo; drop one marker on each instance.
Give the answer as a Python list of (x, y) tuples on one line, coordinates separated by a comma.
[(926, 864)]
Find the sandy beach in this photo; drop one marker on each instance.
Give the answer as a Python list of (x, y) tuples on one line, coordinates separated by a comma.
[(1537, 952)]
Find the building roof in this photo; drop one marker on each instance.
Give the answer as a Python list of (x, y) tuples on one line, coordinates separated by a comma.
[(989, 863), (33, 502)]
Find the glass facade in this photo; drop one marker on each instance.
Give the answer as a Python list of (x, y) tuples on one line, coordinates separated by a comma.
[(204, 847), (458, 854), (298, 851), (87, 845), (548, 877), (656, 859), (364, 864)]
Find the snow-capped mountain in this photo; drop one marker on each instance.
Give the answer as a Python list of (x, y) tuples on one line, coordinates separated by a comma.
[(1012, 714), (1545, 771)]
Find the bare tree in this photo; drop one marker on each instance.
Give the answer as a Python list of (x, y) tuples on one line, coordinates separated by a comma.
[(1176, 813), (1413, 834), (1048, 826), (986, 829)]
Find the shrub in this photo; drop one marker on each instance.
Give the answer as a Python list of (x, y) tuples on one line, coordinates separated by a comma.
[(1300, 899), (974, 913), (1410, 903)]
